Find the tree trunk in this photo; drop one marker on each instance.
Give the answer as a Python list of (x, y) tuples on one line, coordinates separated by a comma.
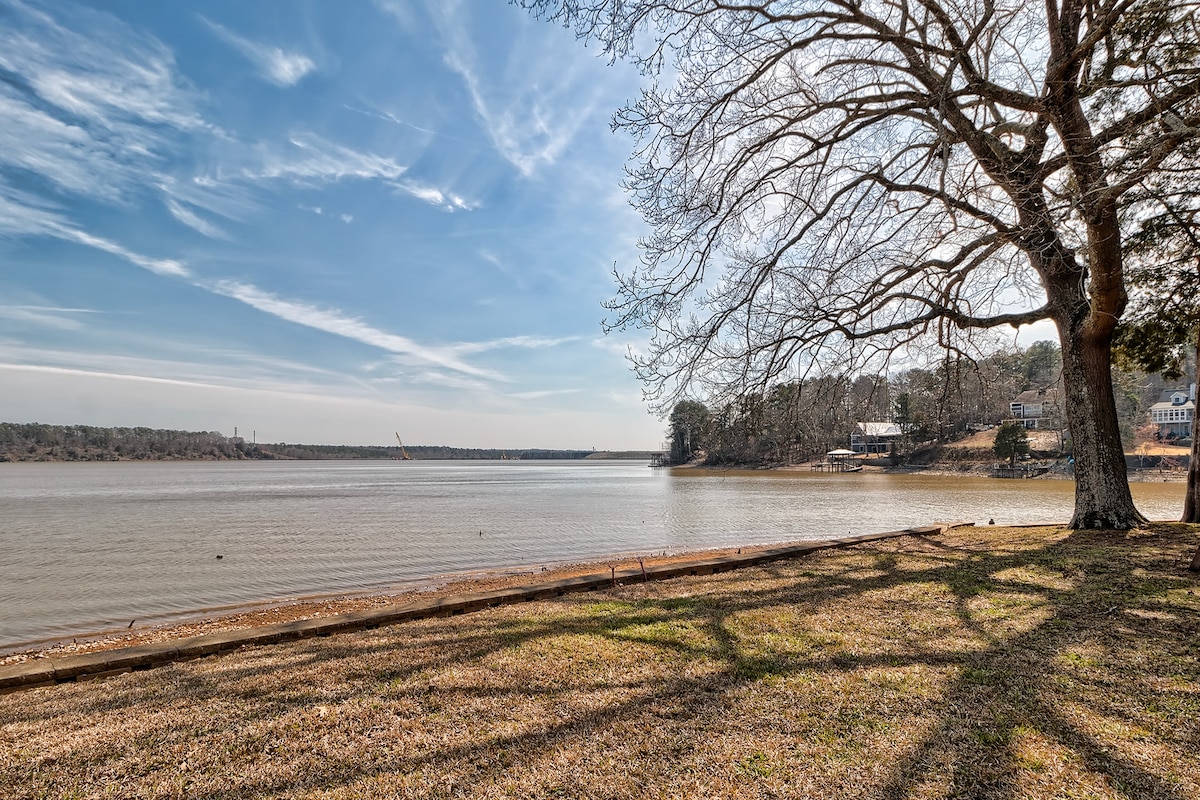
[(1085, 289), (1102, 496), (1191, 500)]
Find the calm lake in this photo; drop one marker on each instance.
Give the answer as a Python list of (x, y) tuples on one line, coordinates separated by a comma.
[(86, 548)]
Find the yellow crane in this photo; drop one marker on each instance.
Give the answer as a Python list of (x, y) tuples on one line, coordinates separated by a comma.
[(404, 456)]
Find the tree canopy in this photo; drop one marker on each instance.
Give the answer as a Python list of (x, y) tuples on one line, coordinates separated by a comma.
[(828, 182), (1011, 442)]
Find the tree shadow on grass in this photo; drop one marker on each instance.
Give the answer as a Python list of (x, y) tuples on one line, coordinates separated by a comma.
[(1072, 690), (1046, 652)]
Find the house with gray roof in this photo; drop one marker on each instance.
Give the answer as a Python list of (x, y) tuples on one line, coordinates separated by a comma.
[(1174, 412), (875, 438), (1038, 409)]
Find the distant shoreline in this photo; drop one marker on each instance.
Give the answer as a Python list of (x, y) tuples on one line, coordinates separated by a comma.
[(525, 455), (35, 442), (947, 469)]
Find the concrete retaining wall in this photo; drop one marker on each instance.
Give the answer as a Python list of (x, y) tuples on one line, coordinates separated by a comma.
[(103, 663)]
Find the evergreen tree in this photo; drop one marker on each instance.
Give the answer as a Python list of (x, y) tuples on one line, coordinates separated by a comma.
[(1011, 442)]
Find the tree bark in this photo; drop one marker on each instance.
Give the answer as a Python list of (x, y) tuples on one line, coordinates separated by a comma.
[(1191, 500), (1102, 495)]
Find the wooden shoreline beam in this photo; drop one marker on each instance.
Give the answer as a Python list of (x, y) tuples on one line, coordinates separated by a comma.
[(52, 670)]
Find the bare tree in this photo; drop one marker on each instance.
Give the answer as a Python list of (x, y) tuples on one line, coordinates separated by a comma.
[(830, 180)]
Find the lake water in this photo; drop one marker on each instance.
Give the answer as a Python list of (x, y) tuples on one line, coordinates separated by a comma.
[(86, 548)]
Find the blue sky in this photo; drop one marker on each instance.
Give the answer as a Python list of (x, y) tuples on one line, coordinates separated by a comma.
[(318, 222)]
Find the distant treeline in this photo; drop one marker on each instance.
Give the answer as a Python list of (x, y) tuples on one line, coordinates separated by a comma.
[(417, 452), (803, 419), (38, 442)]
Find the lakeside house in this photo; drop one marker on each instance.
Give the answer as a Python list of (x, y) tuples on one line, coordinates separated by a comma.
[(874, 438), (1174, 412), (1037, 409)]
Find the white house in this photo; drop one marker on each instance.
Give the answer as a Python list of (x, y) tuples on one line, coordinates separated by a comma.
[(1174, 412), (874, 437)]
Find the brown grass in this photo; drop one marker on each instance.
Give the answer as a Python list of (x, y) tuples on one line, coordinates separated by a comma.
[(1040, 440), (985, 663)]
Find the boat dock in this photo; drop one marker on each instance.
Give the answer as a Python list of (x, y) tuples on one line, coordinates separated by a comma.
[(838, 461)]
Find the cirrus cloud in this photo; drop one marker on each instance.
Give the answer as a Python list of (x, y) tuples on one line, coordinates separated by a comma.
[(275, 64)]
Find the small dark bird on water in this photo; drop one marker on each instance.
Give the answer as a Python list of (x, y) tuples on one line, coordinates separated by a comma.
[(220, 557), (991, 522)]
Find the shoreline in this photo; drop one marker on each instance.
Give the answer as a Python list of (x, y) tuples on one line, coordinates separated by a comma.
[(317, 606), (118, 656), (74, 638), (983, 662), (941, 470)]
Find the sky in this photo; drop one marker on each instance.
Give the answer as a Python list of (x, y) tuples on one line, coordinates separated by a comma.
[(315, 222)]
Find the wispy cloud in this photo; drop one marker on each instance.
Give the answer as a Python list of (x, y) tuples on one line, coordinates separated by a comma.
[(110, 73), (57, 309), (273, 63), (531, 111), (187, 375), (387, 116), (320, 212), (224, 199), (194, 220), (504, 268), (160, 266), (458, 382), (448, 357), (63, 319), (624, 345), (98, 374), (89, 114), (190, 361), (104, 116), (455, 372), (436, 197), (526, 342), (21, 215), (340, 324), (401, 11), (537, 395), (64, 154), (312, 158)]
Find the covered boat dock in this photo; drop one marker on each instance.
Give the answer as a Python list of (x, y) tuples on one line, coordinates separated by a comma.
[(838, 461)]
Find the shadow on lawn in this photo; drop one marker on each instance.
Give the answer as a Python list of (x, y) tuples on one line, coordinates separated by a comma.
[(1103, 636), (1031, 685)]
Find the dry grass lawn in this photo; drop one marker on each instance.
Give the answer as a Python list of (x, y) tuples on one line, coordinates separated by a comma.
[(984, 663)]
